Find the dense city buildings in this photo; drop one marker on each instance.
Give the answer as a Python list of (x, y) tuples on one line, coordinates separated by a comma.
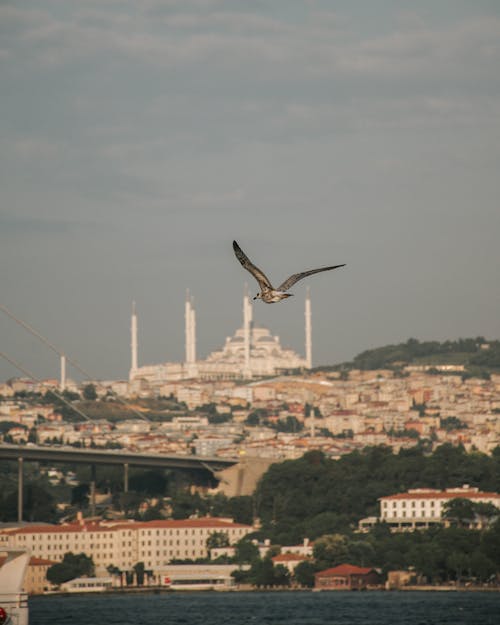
[(279, 417)]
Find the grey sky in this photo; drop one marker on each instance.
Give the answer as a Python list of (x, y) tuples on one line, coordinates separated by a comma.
[(137, 139)]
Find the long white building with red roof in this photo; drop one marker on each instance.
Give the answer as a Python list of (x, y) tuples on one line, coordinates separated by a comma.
[(123, 544), (422, 507)]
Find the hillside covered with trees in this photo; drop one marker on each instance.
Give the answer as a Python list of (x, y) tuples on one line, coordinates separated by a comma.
[(315, 495), (478, 355)]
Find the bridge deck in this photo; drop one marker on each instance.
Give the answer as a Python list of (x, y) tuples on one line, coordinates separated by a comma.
[(113, 457)]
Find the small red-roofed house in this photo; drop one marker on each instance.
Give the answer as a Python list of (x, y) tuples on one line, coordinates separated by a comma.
[(347, 577)]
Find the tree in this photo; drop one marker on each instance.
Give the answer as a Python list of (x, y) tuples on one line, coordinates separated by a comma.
[(149, 482), (40, 502), (257, 417), (89, 392), (153, 513), (304, 573), (112, 569), (72, 566), (361, 552), (80, 495), (459, 511), (139, 569), (184, 505), (452, 423), (490, 543), (459, 563), (129, 502), (217, 540), (486, 512), (290, 424), (246, 552), (281, 575), (481, 566), (262, 573), (330, 549)]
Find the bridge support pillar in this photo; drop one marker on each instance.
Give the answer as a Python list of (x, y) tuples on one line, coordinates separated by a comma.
[(20, 489), (92, 490), (125, 477)]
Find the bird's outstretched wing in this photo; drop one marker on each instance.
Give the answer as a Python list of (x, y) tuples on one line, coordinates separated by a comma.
[(289, 282), (259, 275)]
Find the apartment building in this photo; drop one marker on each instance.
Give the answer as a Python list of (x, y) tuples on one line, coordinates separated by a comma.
[(123, 544)]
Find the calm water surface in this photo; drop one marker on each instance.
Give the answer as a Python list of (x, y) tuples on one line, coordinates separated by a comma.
[(276, 608)]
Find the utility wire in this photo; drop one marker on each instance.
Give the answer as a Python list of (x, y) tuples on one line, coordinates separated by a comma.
[(51, 346), (33, 377)]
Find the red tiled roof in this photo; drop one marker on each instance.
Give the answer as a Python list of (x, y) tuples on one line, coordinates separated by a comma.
[(207, 522), (203, 522), (344, 569), (288, 557), (440, 494), (33, 561), (69, 528)]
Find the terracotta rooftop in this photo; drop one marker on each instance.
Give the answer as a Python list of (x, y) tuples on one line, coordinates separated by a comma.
[(205, 522), (451, 493), (345, 569), (289, 557), (33, 561)]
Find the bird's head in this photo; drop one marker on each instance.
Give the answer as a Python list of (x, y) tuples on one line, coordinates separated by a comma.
[(258, 296)]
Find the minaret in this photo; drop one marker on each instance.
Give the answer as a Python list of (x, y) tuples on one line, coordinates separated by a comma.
[(247, 328), (190, 334), (187, 327), (193, 333), (308, 330), (62, 384), (133, 341)]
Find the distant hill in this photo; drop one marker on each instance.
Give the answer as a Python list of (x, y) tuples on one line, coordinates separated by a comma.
[(479, 356)]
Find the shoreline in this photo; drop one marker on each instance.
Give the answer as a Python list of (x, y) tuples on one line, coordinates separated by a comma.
[(163, 590)]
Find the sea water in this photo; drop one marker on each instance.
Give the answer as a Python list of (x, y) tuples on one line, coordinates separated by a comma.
[(273, 608)]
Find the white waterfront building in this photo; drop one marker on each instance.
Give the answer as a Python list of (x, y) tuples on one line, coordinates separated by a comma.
[(124, 543), (420, 508)]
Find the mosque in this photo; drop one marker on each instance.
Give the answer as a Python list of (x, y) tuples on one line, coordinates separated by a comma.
[(251, 352)]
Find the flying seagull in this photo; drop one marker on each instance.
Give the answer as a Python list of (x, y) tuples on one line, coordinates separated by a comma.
[(268, 293)]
